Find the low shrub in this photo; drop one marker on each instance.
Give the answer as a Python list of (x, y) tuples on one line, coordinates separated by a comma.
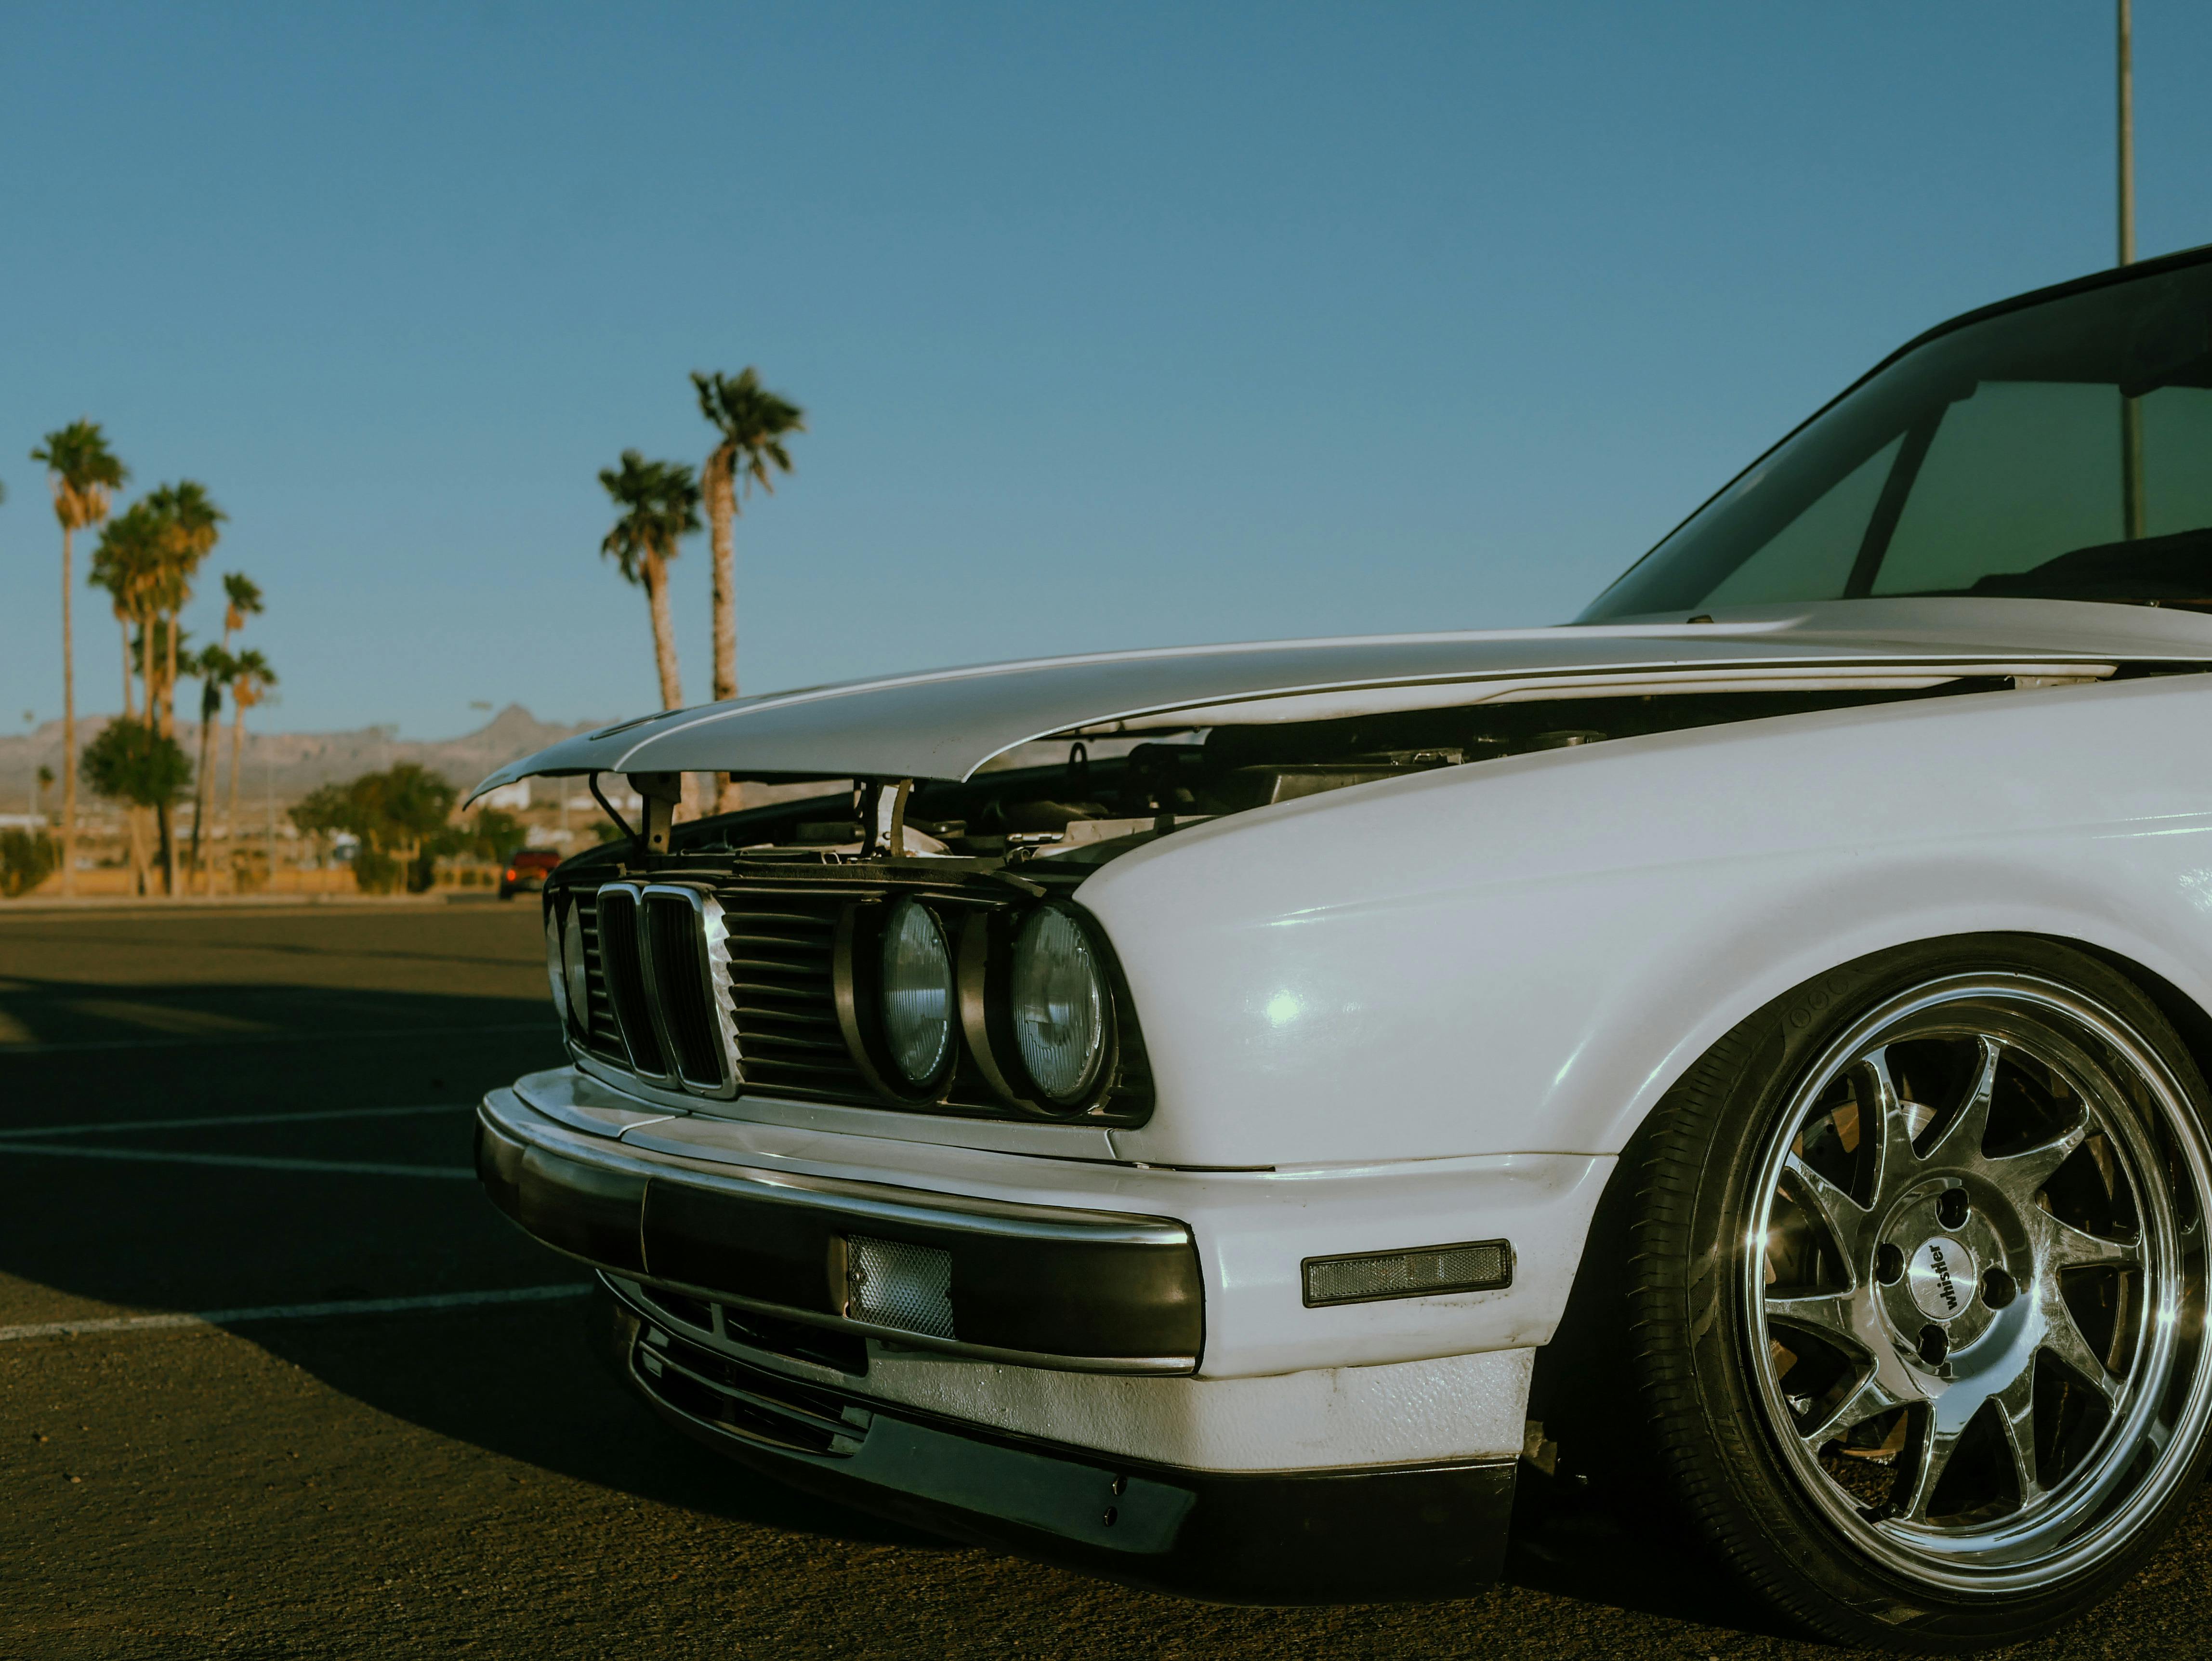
[(26, 858)]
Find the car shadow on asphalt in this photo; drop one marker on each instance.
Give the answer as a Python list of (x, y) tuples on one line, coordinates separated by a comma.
[(1627, 1547), (521, 1382)]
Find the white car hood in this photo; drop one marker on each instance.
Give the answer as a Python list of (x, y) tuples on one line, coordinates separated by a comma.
[(946, 724)]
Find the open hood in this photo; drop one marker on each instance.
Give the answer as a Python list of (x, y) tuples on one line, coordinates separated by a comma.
[(946, 724)]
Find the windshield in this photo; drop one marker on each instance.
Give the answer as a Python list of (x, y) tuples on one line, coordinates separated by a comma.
[(2061, 451)]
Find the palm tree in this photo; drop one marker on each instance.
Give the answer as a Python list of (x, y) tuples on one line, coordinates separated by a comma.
[(84, 474), (241, 597), (125, 565), (215, 669), (187, 518), (659, 503), (127, 562), (752, 422), (250, 680)]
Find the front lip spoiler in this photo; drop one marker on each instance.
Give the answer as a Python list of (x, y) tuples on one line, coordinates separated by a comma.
[(1383, 1534), (1034, 1286)]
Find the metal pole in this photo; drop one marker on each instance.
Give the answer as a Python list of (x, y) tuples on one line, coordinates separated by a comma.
[(2132, 514), (2127, 112)]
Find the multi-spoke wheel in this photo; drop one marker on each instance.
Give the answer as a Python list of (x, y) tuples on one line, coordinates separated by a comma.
[(1921, 1286)]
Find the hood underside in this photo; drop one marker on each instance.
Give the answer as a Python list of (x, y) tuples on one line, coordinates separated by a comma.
[(947, 724)]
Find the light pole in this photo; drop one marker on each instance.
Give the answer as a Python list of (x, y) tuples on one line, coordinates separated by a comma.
[(2127, 113), (2131, 469), (30, 758)]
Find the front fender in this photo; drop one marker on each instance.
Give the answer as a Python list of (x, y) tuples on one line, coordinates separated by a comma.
[(1521, 955)]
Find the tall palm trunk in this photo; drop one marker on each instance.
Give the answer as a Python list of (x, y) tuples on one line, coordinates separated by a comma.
[(664, 658), (204, 789), (129, 698), (141, 878), (664, 631), (167, 809), (230, 819), (137, 813), (720, 486), (68, 729)]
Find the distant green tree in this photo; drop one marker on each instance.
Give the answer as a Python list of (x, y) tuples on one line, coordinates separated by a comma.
[(131, 761), (399, 815), (495, 834), (25, 858)]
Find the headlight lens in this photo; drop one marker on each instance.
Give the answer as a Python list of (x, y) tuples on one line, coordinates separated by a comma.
[(1060, 1005), (917, 993), (553, 962), (578, 972)]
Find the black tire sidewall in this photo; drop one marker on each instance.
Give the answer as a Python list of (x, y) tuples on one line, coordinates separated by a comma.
[(1697, 1159)]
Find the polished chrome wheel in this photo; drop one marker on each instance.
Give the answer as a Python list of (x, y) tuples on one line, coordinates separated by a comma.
[(1972, 1280)]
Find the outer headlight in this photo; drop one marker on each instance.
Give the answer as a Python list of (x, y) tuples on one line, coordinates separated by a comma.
[(553, 965), (577, 973), (918, 994), (1060, 1005)]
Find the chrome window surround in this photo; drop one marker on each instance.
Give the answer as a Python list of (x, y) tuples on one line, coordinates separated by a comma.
[(710, 935)]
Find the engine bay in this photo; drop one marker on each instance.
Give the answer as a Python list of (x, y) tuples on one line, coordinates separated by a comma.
[(1111, 791)]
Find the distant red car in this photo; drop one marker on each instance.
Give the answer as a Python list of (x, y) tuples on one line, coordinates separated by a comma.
[(527, 872)]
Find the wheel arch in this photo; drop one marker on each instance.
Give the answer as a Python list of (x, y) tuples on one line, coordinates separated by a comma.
[(1569, 1391)]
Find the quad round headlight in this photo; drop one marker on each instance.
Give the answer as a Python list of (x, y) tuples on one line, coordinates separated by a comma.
[(553, 974), (919, 1011), (1060, 1005), (576, 972)]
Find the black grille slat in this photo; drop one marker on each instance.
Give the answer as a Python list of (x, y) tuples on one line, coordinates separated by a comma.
[(679, 977), (623, 969), (826, 1046)]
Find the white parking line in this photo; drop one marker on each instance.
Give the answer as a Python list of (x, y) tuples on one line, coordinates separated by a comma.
[(250, 1161), (221, 1317), (34, 1131)]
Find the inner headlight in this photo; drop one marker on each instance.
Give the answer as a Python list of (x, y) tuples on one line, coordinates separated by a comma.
[(577, 973), (918, 1008), (1060, 1005)]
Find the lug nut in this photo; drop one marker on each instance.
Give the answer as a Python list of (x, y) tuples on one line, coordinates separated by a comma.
[(1935, 1345), (1951, 1208), (1998, 1288), (1888, 1263)]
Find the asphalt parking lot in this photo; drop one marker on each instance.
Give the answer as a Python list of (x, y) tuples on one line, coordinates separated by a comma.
[(388, 1437)]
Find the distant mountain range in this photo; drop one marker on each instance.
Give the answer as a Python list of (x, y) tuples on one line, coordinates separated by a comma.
[(290, 764)]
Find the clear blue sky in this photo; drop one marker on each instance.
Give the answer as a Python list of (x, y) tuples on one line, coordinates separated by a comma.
[(1115, 325)]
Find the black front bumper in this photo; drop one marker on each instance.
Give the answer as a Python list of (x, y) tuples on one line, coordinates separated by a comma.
[(1337, 1536)]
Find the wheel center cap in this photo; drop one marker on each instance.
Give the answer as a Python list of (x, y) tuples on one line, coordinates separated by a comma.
[(1943, 1277)]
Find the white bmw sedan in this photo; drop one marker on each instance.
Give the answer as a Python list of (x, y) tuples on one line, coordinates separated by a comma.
[(1224, 1116)]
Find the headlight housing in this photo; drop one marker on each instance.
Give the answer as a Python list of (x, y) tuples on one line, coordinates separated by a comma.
[(946, 1002), (1059, 1006), (578, 972), (917, 996), (554, 970)]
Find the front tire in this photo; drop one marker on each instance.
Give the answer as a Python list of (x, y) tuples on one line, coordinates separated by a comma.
[(1916, 1291)]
